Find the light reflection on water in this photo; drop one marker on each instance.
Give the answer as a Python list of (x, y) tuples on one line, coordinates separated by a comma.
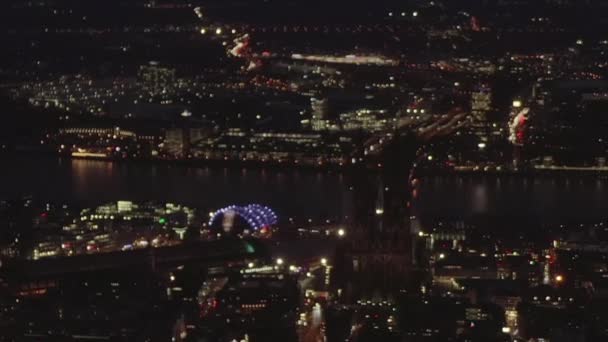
[(294, 192)]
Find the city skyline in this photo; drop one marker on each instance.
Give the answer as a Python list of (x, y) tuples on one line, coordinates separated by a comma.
[(311, 171)]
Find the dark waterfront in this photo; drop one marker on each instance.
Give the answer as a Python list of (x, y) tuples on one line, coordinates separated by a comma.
[(298, 193)]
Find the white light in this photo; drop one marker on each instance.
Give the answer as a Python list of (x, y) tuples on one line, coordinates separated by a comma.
[(218, 31), (421, 233), (279, 261), (429, 157), (203, 31), (341, 232), (292, 268), (379, 211), (456, 84), (506, 330), (441, 256), (323, 261), (233, 31), (481, 145), (415, 14), (172, 277), (517, 103), (250, 265)]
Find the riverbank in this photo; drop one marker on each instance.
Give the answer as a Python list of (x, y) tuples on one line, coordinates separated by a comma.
[(532, 172)]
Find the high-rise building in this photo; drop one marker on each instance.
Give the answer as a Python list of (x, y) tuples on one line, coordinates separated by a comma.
[(155, 78), (320, 112), (481, 103), (176, 142)]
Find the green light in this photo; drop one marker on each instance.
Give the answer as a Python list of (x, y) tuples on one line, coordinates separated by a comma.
[(162, 220), (249, 248)]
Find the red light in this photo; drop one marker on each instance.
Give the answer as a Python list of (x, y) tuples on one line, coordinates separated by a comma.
[(475, 24), (44, 215)]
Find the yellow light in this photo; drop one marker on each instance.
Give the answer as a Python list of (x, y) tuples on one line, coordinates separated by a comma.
[(559, 278)]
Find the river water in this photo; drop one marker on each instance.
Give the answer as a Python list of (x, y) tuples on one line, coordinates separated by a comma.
[(293, 192)]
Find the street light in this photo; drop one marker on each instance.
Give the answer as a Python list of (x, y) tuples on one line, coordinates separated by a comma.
[(324, 261), (341, 232), (279, 261)]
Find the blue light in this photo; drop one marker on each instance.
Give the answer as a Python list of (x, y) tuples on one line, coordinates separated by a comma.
[(256, 215)]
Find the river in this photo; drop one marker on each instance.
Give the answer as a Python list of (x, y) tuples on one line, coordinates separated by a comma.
[(293, 192)]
